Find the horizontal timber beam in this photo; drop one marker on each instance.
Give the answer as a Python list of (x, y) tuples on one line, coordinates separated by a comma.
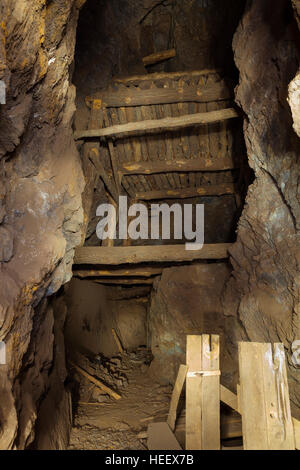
[(130, 272), (159, 57), (126, 282), (213, 190), (159, 125), (171, 166), (136, 97), (165, 75), (146, 254)]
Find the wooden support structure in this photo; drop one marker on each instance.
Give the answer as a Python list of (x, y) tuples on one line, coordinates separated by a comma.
[(126, 282), (95, 159), (179, 384), (135, 97), (180, 166), (165, 75), (159, 57), (145, 254), (110, 272), (203, 393), (264, 397), (212, 190), (159, 125)]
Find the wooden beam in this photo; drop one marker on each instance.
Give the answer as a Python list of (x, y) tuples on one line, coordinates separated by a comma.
[(128, 293), (159, 57), (96, 382), (135, 97), (165, 75), (109, 272), (264, 397), (159, 125), (203, 393), (126, 282), (180, 381), (180, 166), (213, 190), (95, 159), (229, 398), (145, 254)]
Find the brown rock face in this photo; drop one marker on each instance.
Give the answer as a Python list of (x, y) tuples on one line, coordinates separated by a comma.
[(40, 191), (262, 296), (187, 300)]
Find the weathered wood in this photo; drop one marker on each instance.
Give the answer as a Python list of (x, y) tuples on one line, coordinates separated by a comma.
[(160, 437), (109, 272), (165, 75), (113, 156), (159, 125), (136, 97), (180, 166), (180, 380), (202, 393), (213, 190), (159, 57), (95, 159), (229, 398), (145, 254), (264, 398), (96, 382), (117, 341), (126, 282), (127, 293)]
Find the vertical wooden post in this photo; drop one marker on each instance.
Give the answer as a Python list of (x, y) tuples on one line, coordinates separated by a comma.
[(203, 393), (264, 398)]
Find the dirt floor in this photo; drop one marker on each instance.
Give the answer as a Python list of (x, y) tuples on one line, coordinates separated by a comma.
[(116, 425)]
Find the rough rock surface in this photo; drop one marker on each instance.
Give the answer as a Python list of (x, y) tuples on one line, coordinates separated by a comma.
[(262, 300), (187, 300), (40, 198)]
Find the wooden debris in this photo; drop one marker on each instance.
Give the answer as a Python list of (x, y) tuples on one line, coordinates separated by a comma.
[(159, 125), (159, 57), (96, 382), (165, 75), (144, 254), (180, 380), (117, 341)]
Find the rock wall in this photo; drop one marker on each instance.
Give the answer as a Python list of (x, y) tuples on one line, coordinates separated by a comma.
[(92, 315), (41, 182), (262, 300), (186, 300)]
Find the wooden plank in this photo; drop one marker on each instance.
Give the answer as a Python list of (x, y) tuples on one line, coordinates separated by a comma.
[(159, 125), (145, 254), (165, 75), (296, 425), (264, 398), (117, 341), (229, 398), (113, 156), (159, 57), (218, 91), (169, 166), (126, 282), (160, 437), (202, 393), (211, 393), (127, 293), (180, 380), (213, 190), (96, 382), (95, 159), (109, 272)]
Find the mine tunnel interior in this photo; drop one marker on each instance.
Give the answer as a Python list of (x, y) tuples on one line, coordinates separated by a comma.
[(172, 128), (136, 315)]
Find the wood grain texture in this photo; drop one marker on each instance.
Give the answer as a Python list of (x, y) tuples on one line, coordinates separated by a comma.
[(213, 190), (145, 254)]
